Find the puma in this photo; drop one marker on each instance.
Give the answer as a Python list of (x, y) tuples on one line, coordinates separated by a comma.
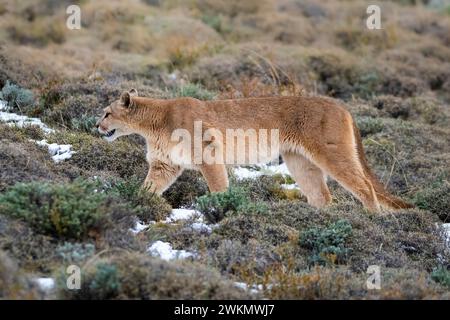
[(317, 138)]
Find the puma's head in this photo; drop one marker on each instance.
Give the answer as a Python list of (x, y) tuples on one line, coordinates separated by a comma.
[(114, 121)]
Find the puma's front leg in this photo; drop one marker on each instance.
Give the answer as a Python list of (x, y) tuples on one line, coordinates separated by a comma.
[(160, 176), (216, 176)]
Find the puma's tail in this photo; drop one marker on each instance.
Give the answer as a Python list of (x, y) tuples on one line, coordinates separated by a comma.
[(386, 199)]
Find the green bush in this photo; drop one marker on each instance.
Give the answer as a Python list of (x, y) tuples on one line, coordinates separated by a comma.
[(75, 252), (327, 244), (18, 98), (105, 282), (84, 123), (442, 276), (435, 198), (194, 90), (215, 205), (146, 205), (67, 210), (369, 125)]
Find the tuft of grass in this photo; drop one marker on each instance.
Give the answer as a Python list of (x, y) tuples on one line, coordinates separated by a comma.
[(327, 245)]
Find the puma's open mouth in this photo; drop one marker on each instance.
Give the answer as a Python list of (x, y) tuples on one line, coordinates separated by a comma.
[(110, 133)]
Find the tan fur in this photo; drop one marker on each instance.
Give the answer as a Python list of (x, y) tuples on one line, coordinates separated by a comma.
[(318, 138)]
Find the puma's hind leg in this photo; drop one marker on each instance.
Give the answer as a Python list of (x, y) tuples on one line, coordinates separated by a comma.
[(310, 179), (341, 162)]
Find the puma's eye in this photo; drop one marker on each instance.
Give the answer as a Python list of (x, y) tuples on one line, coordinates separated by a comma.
[(107, 115)]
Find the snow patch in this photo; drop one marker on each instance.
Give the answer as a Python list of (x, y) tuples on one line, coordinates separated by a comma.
[(14, 119), (182, 214), (264, 169), (45, 284), (59, 152), (289, 186), (201, 227), (165, 251), (252, 289), (138, 227)]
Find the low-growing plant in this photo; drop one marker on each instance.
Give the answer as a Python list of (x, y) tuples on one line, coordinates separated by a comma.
[(75, 252), (68, 210), (327, 244), (442, 276), (216, 205), (17, 98), (84, 123), (146, 205), (194, 90), (105, 282), (139, 276), (186, 189), (435, 198), (369, 125)]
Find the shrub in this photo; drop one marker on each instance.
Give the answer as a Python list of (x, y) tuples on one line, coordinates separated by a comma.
[(139, 276), (194, 90), (327, 244), (18, 98), (369, 125), (442, 276), (267, 188), (184, 191), (85, 123), (105, 282), (124, 157), (23, 161), (217, 204), (146, 205), (435, 198), (75, 252), (67, 210)]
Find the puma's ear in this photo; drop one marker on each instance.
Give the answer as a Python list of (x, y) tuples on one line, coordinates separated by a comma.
[(125, 99), (133, 92)]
